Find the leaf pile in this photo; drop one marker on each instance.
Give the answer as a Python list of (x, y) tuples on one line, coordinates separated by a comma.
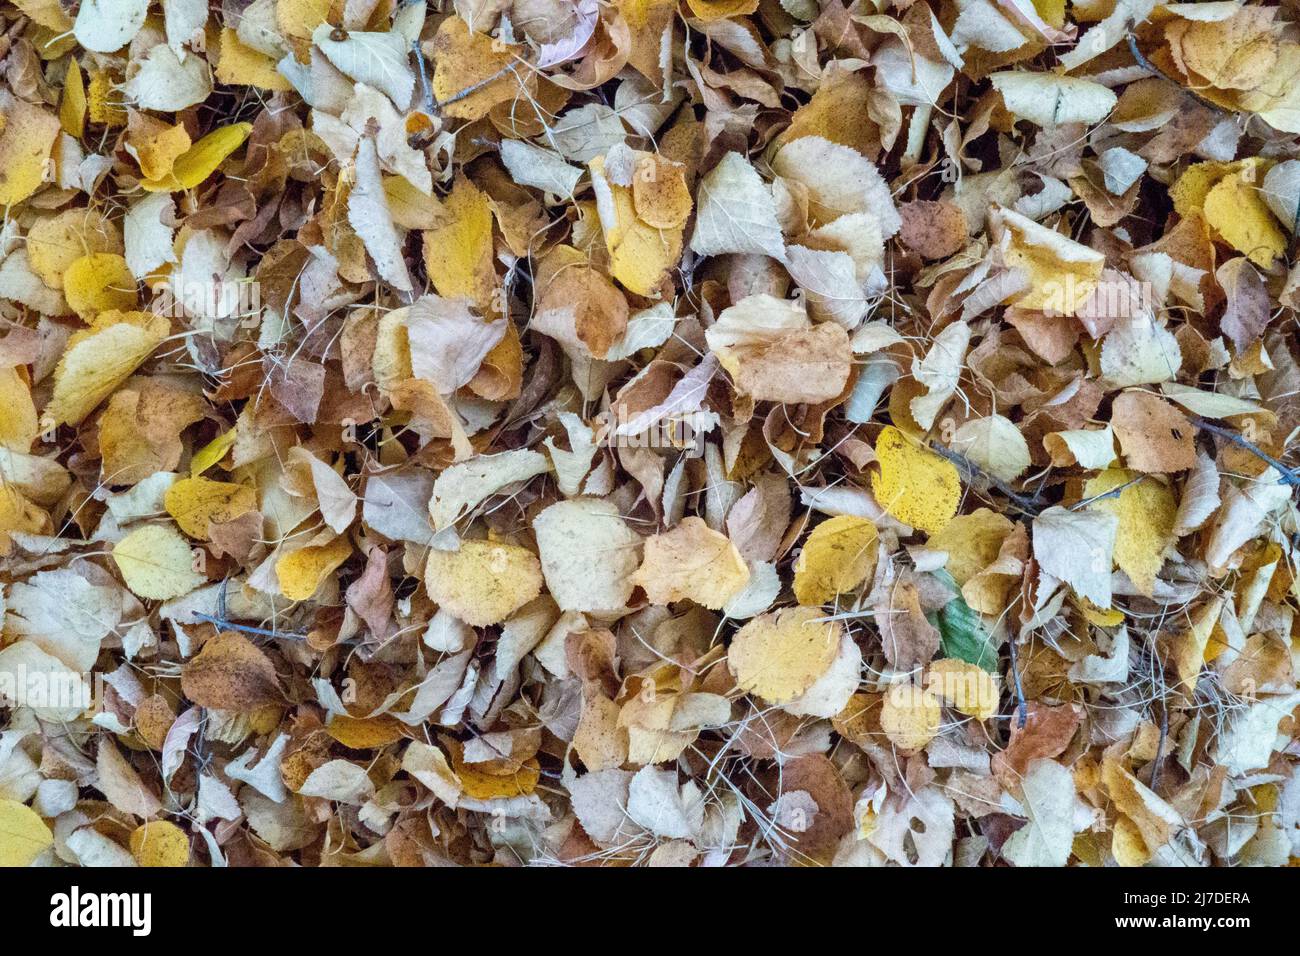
[(713, 432)]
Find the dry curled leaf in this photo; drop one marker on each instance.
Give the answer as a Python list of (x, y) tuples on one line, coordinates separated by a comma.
[(542, 432)]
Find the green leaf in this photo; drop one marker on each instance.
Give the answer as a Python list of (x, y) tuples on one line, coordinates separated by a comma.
[(961, 632)]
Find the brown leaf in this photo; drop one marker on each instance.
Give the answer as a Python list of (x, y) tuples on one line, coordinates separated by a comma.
[(934, 230), (1248, 309), (1154, 436), (907, 638), (231, 673)]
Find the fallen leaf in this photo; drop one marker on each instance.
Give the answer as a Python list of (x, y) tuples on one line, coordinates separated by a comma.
[(483, 582), (691, 562), (198, 503), (780, 655), (157, 563), (230, 673), (838, 556), (23, 834), (914, 485)]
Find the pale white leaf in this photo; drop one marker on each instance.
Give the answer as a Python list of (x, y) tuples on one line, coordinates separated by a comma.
[(369, 215), (1078, 547), (736, 213)]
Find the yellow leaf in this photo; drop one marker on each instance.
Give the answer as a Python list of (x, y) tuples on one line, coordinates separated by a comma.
[(301, 572), (1277, 100), (198, 503), (458, 253), (23, 834), (212, 452), (639, 254), (72, 105), (1234, 53), (464, 58), (140, 430), (103, 101), (972, 542), (486, 786), (99, 359), (1186, 650), (478, 784), (391, 361), (1052, 11), (1146, 512), (99, 282), (1062, 273), (484, 582), (365, 733), (55, 243), (1236, 210), (157, 154), (910, 716), (25, 142), (241, 65), (838, 556), (1110, 617), (411, 208), (710, 10), (972, 690), (157, 563), (692, 562), (647, 20), (160, 843), (839, 112), (1154, 821), (46, 13), (1127, 845), (202, 159), (660, 194), (779, 655), (298, 18), (18, 514), (1189, 191), (18, 425), (914, 485)]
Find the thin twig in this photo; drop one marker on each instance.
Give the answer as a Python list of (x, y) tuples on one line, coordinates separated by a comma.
[(429, 106), (1027, 505), (1113, 493), (471, 89), (248, 628), (1286, 474)]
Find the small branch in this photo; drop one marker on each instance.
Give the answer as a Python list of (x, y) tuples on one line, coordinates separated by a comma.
[(426, 89), (248, 628), (1027, 505), (1286, 474)]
